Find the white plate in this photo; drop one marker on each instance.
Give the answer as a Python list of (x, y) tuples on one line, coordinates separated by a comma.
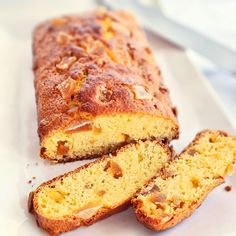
[(198, 109)]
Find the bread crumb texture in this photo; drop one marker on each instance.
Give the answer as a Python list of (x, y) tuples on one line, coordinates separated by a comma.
[(102, 185), (184, 183), (104, 134)]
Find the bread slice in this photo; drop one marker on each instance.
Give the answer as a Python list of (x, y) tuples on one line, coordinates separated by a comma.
[(182, 185), (97, 86), (98, 189)]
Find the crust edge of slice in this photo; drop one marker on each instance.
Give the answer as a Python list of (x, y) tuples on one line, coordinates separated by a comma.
[(155, 223), (57, 226)]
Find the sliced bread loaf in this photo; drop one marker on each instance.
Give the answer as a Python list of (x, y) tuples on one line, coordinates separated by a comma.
[(183, 184), (97, 86), (97, 189)]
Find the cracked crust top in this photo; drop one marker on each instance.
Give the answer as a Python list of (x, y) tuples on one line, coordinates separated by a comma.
[(98, 63)]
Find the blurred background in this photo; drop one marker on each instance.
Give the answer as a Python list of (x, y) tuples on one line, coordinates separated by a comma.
[(214, 18)]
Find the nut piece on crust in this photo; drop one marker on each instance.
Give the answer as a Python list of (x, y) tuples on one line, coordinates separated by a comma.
[(197, 170)]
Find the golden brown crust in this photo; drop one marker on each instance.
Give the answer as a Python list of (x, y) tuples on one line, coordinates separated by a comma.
[(54, 227), (97, 65), (155, 223)]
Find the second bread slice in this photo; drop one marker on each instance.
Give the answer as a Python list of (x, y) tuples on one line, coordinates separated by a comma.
[(184, 183), (97, 189)]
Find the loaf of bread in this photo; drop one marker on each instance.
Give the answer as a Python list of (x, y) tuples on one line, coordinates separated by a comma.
[(183, 184), (98, 189), (97, 86)]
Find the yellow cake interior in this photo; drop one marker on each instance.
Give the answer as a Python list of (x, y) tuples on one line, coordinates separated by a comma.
[(189, 178), (105, 133), (104, 184)]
